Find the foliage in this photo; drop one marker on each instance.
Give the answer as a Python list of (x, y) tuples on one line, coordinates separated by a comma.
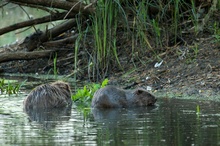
[(104, 27), (216, 28), (55, 65), (85, 95), (137, 29), (147, 25), (10, 88)]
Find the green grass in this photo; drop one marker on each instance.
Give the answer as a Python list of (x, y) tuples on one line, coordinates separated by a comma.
[(104, 24), (55, 65), (216, 29), (146, 27), (10, 86)]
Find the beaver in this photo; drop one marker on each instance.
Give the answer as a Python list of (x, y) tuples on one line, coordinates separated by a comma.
[(53, 95), (112, 97)]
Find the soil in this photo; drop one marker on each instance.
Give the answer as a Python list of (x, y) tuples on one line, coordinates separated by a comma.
[(186, 70)]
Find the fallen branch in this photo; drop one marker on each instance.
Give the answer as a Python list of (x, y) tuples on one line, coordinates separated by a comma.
[(25, 55), (68, 40), (65, 5), (31, 43), (49, 18)]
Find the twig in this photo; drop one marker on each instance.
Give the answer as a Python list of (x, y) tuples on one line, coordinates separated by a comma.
[(71, 9)]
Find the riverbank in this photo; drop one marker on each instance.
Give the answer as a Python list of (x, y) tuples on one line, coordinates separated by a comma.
[(191, 73), (185, 71)]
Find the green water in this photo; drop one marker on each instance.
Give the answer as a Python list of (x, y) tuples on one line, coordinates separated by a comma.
[(172, 122)]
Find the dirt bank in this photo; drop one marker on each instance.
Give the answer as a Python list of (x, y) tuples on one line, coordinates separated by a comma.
[(185, 70)]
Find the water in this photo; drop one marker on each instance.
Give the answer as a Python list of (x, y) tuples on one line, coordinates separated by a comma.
[(12, 14), (172, 122)]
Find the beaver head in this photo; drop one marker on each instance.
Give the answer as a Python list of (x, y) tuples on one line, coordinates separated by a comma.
[(143, 98), (61, 85)]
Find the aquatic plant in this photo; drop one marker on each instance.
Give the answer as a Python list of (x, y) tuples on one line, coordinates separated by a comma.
[(11, 87), (85, 95)]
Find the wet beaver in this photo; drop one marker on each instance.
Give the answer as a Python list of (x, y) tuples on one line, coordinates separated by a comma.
[(110, 97), (56, 94)]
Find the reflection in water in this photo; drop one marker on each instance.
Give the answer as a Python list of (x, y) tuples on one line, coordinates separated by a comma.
[(123, 126), (171, 123), (49, 118), (110, 117)]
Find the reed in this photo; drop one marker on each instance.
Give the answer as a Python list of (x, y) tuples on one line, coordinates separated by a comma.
[(104, 29), (149, 27), (11, 87), (55, 65)]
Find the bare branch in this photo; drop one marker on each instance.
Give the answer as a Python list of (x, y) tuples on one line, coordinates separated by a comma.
[(65, 5), (57, 16), (24, 55)]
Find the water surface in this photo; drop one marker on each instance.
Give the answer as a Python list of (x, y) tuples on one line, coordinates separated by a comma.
[(172, 122)]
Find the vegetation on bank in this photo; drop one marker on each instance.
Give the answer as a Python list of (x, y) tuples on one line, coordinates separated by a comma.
[(122, 32), (144, 31), (10, 87), (108, 33)]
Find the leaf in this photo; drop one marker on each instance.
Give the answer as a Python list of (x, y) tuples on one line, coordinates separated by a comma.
[(104, 83)]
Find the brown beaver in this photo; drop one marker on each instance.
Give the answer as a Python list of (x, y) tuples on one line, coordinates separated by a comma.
[(110, 97), (54, 95)]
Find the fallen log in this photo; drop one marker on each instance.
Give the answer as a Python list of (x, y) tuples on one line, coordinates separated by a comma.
[(4, 57), (75, 7), (49, 18), (32, 42)]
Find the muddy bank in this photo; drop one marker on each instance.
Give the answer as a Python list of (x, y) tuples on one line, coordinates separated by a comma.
[(181, 75), (185, 70)]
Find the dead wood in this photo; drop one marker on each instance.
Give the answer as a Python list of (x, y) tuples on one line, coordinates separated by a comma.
[(31, 43), (75, 7), (61, 42), (49, 18), (4, 57)]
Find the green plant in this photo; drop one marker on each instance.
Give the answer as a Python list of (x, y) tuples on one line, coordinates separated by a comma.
[(104, 28), (216, 32), (9, 88), (176, 18), (141, 26), (85, 95), (77, 46), (55, 65), (194, 17), (195, 51), (197, 109), (192, 55), (157, 32)]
